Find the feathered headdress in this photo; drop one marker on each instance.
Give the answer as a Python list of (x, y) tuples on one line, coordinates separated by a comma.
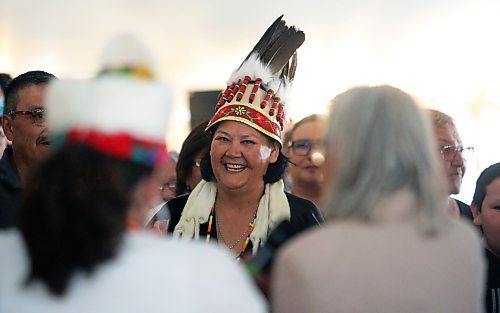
[(256, 91)]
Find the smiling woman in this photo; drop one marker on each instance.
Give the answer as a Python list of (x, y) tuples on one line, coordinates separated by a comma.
[(237, 158), (241, 199)]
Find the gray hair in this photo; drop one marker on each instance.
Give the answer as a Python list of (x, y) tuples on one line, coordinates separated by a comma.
[(440, 119), (383, 143)]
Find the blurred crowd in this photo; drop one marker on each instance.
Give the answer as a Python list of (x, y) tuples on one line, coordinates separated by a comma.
[(353, 211)]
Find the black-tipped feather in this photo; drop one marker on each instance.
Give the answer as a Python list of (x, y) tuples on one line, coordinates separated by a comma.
[(288, 70), (293, 66), (269, 36), (277, 46), (282, 49)]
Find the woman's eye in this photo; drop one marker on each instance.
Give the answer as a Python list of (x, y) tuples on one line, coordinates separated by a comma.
[(221, 138), (248, 142)]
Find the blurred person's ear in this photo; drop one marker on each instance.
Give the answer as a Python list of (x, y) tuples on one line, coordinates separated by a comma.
[(476, 214), (275, 151), (144, 197), (7, 127), (286, 149)]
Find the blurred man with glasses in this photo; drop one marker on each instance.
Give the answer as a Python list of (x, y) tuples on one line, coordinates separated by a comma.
[(23, 122), (303, 147), (454, 158)]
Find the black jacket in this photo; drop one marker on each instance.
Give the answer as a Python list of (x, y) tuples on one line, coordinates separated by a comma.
[(464, 210), (303, 213), (10, 189), (493, 283)]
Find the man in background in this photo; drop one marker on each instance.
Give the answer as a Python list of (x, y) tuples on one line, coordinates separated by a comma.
[(454, 157), (23, 123)]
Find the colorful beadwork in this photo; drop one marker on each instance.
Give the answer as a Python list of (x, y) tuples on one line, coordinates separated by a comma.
[(268, 96), (133, 71), (274, 106), (233, 91), (210, 219), (243, 88), (251, 227), (252, 117), (119, 145), (268, 120), (255, 88), (280, 117)]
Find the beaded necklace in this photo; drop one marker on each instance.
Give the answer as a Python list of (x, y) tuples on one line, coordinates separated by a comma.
[(251, 227)]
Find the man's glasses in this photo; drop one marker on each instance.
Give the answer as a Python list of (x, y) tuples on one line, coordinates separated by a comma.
[(37, 115), (450, 152), (171, 185), (303, 147)]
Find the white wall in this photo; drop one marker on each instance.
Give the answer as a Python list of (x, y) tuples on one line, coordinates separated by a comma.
[(443, 51)]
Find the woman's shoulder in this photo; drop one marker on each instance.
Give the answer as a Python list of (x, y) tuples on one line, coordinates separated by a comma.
[(178, 202), (464, 234), (175, 207), (303, 210)]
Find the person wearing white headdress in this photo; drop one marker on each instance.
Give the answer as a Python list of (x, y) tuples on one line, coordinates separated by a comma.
[(389, 245), (80, 245)]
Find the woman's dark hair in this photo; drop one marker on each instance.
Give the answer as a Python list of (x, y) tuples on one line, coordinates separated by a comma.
[(197, 141), (274, 172), (73, 213)]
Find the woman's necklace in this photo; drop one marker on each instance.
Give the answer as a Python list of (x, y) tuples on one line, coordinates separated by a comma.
[(248, 231)]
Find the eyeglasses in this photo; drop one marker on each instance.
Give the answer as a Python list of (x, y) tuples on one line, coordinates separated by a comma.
[(450, 152), (303, 147), (37, 115), (171, 184)]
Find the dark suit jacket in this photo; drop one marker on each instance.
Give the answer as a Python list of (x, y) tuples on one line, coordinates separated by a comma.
[(10, 188)]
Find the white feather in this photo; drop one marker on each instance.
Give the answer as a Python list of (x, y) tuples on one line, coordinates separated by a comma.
[(254, 68)]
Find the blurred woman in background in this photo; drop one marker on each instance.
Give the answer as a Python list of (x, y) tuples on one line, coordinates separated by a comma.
[(389, 245), (193, 149), (305, 151)]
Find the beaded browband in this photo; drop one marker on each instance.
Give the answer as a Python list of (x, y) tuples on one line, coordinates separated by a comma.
[(249, 102)]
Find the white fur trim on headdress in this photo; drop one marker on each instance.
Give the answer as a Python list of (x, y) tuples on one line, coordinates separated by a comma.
[(254, 68), (109, 105)]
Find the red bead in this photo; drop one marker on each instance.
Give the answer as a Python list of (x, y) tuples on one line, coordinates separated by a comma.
[(240, 93)]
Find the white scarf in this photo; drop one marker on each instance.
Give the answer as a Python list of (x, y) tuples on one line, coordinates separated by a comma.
[(273, 208)]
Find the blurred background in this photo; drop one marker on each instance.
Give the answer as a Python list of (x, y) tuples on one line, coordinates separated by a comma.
[(444, 52)]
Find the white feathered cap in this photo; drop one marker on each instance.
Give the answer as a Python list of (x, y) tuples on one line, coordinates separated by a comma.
[(122, 112)]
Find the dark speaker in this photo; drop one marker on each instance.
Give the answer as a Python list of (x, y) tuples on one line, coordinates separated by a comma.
[(202, 105)]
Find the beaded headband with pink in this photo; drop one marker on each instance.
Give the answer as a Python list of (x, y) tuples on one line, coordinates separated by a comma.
[(256, 92)]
